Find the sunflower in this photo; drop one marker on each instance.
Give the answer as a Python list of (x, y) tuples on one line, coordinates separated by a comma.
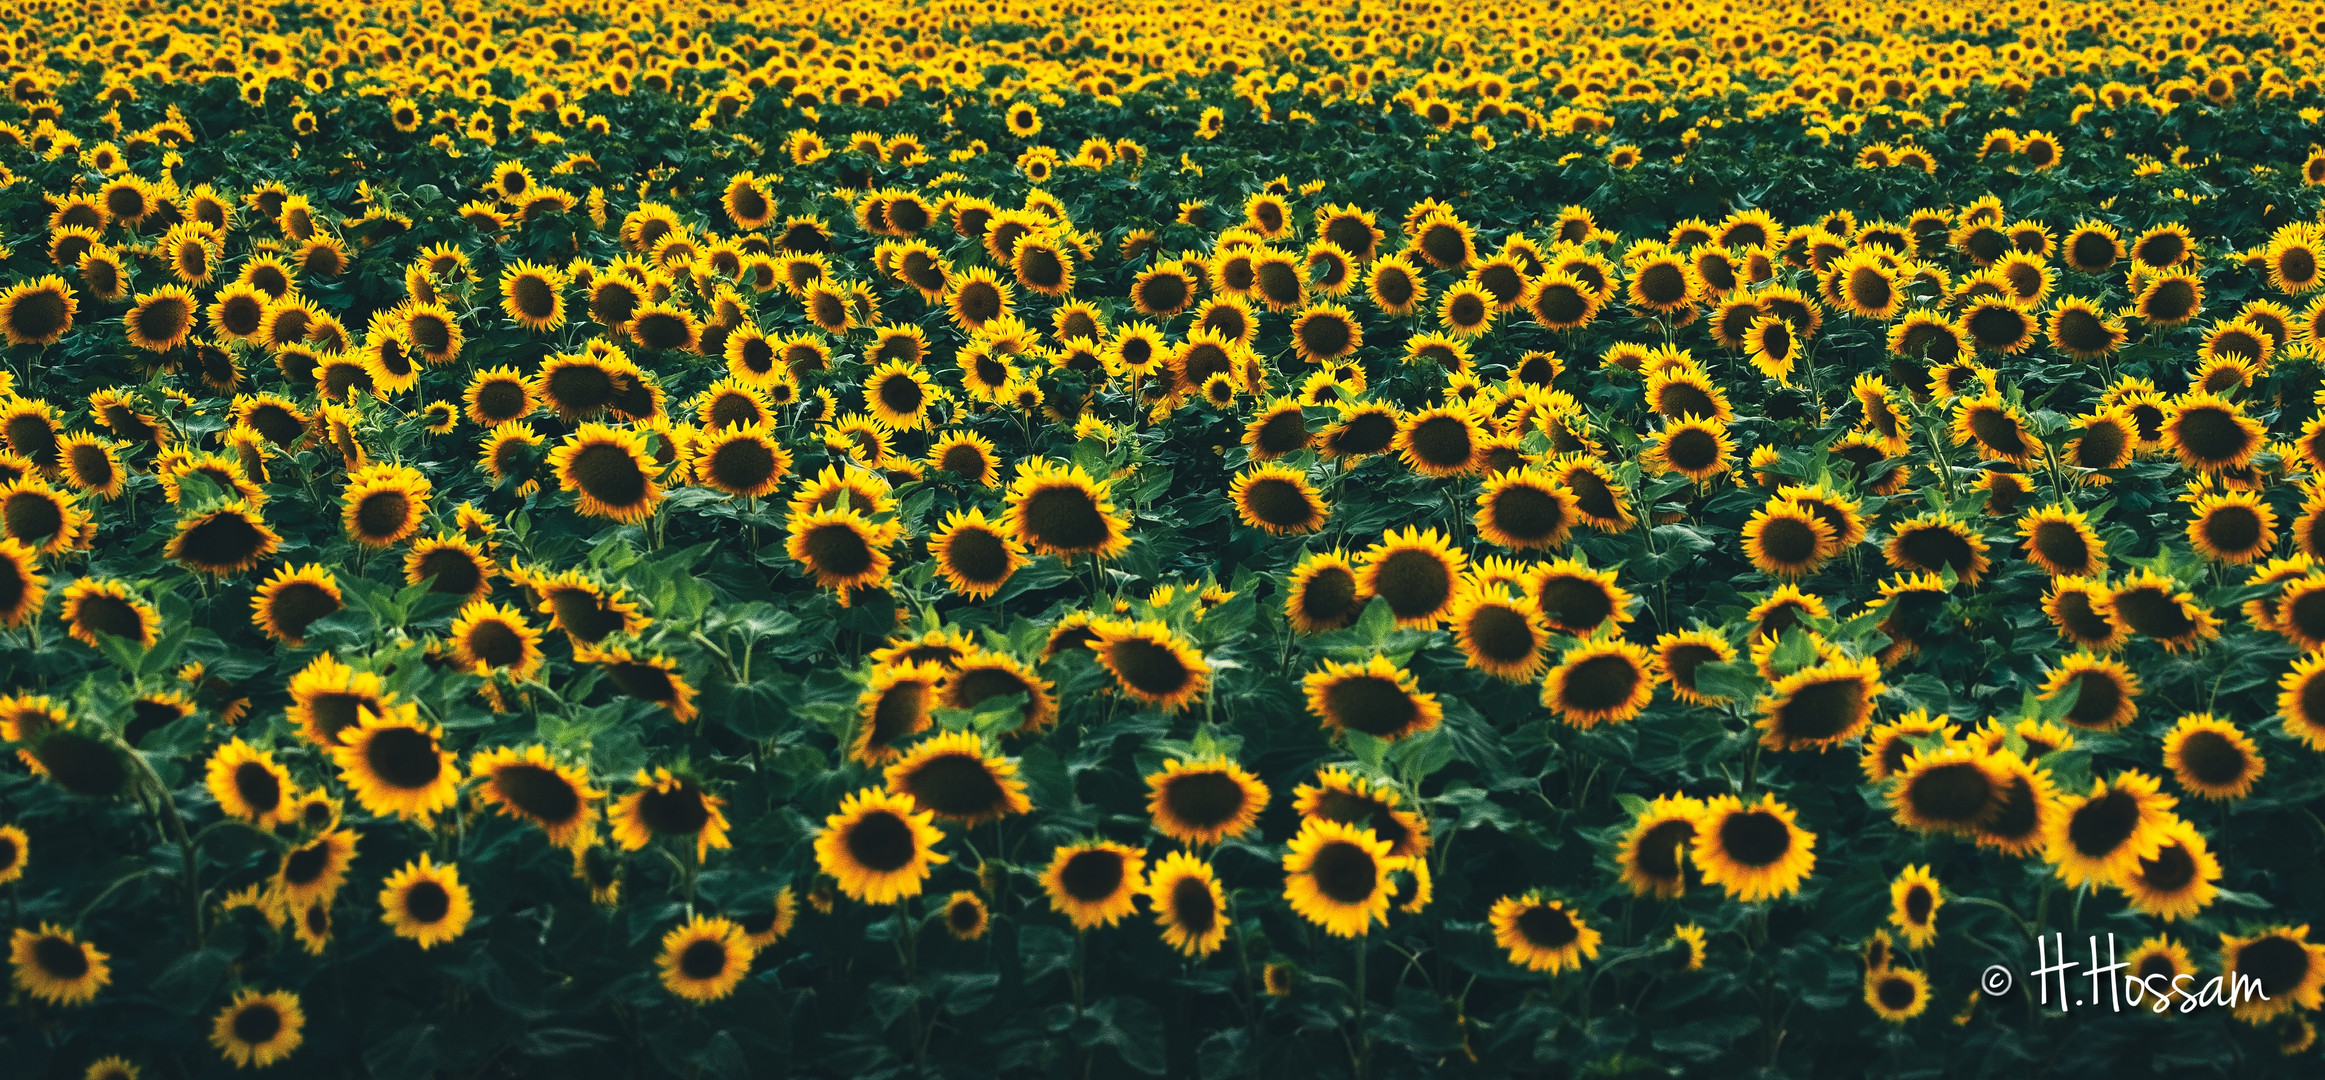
[(383, 504), (2177, 881), (895, 706), (2059, 539), (2106, 691), (489, 637), (1819, 706), (2151, 604), (2212, 758), (1500, 631), (37, 311), (2289, 968), (984, 676), (1652, 852), (665, 804), (2234, 527), (1060, 510), (328, 698), (395, 763), (312, 872), (1914, 899), (1093, 883), (1755, 851), (609, 471), (2100, 837), (1375, 697), (1337, 876), (426, 902), (1600, 682), (879, 846), (1541, 934), (1936, 543), (965, 916), (2170, 300), (258, 1029), (1897, 994), (2301, 700), (1150, 663), (248, 784), (585, 610), (1324, 593), (226, 538), (1205, 801), (49, 520), (1339, 796), (968, 456), (15, 851), (530, 786), (57, 967), (1417, 572), (93, 607), (1787, 540), (952, 776), (91, 464), (704, 959)]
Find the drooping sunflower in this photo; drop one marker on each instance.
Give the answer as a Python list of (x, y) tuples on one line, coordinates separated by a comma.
[(1819, 706), (703, 960), (1653, 851), (1375, 697), (879, 846), (226, 538), (1755, 851), (93, 607), (666, 804), (1151, 663), (1936, 543), (953, 777), (2151, 604), (531, 786), (1060, 510), (426, 902), (984, 676), (1603, 681), (1094, 883), (258, 1029), (54, 965), (2212, 758)]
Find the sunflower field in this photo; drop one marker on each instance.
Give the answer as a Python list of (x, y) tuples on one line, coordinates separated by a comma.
[(1379, 538)]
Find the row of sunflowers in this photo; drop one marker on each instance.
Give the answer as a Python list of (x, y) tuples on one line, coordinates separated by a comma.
[(983, 540)]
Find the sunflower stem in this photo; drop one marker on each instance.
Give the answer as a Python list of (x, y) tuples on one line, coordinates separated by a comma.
[(103, 896), (1363, 1033), (167, 811)]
